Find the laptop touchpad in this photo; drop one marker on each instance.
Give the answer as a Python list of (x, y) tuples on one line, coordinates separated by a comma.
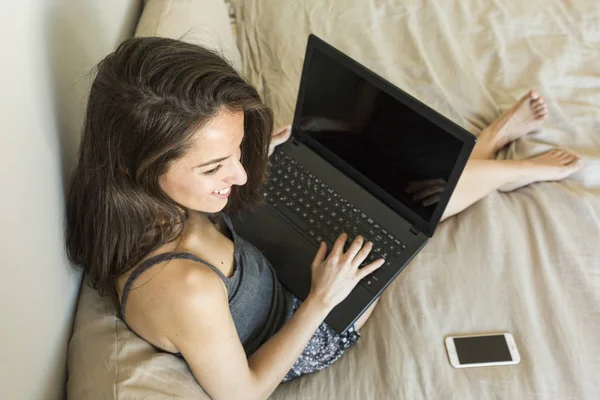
[(289, 251)]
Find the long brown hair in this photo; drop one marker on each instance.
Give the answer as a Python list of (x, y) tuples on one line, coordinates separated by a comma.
[(148, 97)]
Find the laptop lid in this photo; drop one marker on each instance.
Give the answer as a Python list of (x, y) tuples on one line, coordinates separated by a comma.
[(390, 143)]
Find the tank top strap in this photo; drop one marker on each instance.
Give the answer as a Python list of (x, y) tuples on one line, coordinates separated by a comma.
[(228, 223), (157, 260)]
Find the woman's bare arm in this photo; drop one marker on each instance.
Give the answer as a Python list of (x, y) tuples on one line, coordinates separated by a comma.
[(203, 331)]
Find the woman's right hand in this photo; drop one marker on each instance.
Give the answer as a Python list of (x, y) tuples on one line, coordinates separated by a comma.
[(334, 277)]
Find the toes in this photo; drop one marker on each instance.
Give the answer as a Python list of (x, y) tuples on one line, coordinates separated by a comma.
[(536, 103), (560, 155), (533, 94), (537, 99), (554, 152), (567, 159), (541, 113), (575, 160)]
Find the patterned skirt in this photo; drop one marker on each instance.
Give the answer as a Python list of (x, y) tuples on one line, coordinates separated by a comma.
[(323, 349)]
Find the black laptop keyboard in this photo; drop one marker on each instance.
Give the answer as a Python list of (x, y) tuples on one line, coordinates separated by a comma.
[(322, 213)]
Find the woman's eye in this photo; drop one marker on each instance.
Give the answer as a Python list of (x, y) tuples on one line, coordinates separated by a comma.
[(212, 171)]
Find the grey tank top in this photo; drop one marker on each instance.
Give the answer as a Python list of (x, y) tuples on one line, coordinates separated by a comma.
[(259, 304)]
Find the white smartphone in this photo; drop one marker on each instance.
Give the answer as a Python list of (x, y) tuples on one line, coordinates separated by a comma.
[(481, 350)]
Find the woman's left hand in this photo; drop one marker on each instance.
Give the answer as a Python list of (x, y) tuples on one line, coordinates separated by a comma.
[(280, 136)]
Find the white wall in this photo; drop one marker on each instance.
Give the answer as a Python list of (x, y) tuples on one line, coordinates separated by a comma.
[(48, 48)]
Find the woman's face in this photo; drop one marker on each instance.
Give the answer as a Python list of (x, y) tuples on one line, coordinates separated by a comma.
[(202, 179)]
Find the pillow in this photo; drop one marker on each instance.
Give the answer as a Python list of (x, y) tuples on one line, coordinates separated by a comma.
[(107, 361), (202, 22)]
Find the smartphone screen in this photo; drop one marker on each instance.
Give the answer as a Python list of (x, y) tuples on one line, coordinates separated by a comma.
[(482, 349)]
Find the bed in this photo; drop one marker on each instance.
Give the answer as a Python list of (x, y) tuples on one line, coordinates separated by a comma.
[(526, 262)]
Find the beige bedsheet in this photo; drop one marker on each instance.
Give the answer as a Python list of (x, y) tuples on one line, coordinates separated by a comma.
[(527, 262)]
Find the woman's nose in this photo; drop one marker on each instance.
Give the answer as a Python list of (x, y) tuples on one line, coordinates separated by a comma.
[(238, 174)]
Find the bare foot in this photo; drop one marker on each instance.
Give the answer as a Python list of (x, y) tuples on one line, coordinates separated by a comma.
[(525, 116), (551, 166)]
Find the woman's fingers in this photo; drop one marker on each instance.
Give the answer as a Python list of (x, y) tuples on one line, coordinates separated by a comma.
[(281, 130), (338, 246), (362, 254), (368, 269), (279, 137), (320, 256), (355, 247)]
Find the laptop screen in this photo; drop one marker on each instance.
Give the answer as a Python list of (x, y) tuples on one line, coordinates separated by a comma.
[(386, 142)]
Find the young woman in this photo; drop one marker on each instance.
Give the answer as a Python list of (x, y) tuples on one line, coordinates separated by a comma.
[(174, 142)]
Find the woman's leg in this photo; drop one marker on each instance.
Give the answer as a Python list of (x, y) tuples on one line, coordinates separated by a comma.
[(363, 318), (480, 178), (483, 175)]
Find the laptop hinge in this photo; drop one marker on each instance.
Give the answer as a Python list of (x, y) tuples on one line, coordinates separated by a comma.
[(414, 231)]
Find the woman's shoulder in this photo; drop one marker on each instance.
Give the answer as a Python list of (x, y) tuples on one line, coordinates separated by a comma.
[(185, 283), (172, 273), (189, 276), (177, 288)]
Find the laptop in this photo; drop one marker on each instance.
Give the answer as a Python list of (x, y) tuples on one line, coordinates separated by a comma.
[(364, 158)]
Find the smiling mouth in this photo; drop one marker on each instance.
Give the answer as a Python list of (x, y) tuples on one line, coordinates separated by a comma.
[(223, 192)]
